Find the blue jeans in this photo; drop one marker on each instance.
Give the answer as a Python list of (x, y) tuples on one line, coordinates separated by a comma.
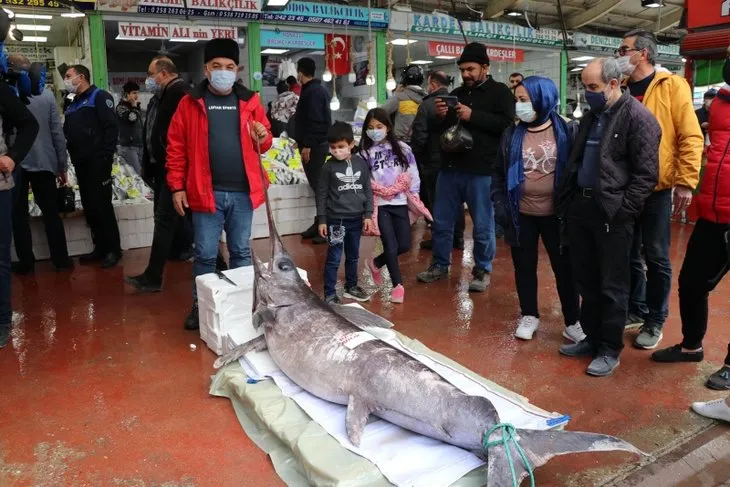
[(649, 293), (234, 213), (6, 231), (351, 246), (453, 189)]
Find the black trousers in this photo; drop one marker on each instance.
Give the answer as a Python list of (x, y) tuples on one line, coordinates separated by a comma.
[(524, 258), (45, 194), (428, 196), (95, 185), (705, 264), (395, 232), (600, 256), (182, 239), (317, 156)]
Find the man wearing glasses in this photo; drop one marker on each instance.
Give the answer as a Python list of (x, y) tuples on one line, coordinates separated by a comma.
[(669, 99)]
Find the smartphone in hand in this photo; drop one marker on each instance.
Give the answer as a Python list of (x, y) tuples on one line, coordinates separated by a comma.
[(451, 101)]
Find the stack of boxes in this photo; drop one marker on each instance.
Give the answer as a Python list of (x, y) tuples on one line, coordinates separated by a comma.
[(293, 207)]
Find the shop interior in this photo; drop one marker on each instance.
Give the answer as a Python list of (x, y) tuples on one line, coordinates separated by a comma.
[(53, 36)]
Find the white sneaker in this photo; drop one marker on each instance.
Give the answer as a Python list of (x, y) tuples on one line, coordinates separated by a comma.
[(574, 333), (526, 327), (713, 409)]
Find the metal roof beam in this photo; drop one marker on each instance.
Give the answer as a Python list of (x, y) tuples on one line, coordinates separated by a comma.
[(497, 8), (592, 14), (669, 21)]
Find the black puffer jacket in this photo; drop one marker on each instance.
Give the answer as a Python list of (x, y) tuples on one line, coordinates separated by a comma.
[(629, 166), (426, 133), (493, 110)]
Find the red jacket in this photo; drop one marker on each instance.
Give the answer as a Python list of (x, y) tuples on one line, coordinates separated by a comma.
[(188, 164), (713, 200)]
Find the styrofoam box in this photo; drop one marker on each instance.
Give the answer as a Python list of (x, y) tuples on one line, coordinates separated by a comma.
[(136, 226), (224, 307), (293, 207)]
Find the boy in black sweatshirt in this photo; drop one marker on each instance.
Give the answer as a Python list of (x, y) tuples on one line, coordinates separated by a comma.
[(344, 210)]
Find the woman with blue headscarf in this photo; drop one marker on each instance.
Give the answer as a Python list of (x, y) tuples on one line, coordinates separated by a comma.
[(532, 157)]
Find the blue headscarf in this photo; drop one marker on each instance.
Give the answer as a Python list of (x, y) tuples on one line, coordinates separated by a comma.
[(544, 96)]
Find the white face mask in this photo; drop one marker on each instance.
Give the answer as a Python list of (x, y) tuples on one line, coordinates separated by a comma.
[(377, 135), (624, 63), (69, 84), (341, 153), (525, 112)]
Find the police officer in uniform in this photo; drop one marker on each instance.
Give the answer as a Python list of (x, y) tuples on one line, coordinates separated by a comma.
[(91, 131)]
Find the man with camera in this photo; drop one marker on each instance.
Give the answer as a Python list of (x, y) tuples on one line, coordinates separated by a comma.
[(478, 112)]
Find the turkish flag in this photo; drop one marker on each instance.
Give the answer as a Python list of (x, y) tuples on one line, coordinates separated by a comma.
[(338, 53)]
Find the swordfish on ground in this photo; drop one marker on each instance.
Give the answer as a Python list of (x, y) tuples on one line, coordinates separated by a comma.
[(308, 340)]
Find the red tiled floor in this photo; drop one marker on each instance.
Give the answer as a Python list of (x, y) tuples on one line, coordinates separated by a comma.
[(99, 386)]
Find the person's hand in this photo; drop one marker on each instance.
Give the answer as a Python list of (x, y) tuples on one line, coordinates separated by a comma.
[(258, 131), (180, 200), (367, 225), (463, 111), (441, 108), (7, 165), (323, 230), (62, 178), (682, 199), (306, 153), (705, 125)]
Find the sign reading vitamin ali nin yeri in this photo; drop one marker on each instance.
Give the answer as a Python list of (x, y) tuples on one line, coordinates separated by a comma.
[(173, 31)]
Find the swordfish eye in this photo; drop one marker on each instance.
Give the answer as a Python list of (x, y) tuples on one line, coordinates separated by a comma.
[(285, 265)]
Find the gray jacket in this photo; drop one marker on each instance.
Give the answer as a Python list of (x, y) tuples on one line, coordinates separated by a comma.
[(48, 152), (402, 106)]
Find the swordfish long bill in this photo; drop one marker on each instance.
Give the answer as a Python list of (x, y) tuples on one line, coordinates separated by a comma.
[(325, 354)]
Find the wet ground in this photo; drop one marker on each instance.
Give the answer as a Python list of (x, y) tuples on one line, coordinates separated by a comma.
[(100, 386)]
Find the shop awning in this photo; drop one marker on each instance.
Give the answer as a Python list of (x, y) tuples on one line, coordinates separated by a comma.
[(711, 43)]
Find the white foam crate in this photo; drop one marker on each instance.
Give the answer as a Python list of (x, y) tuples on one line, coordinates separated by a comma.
[(293, 208), (136, 226), (224, 308)]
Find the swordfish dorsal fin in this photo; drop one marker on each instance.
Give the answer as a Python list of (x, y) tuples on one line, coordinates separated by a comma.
[(358, 412), (540, 447)]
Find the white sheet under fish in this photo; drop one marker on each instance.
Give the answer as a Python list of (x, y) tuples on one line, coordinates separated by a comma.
[(405, 458)]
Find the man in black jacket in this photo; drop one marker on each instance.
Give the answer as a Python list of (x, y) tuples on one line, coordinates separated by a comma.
[(129, 115), (613, 168), (485, 109), (312, 120), (169, 226), (426, 144), (15, 117), (91, 133)]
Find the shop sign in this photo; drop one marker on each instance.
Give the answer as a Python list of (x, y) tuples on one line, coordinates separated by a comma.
[(701, 13), (610, 44), (436, 48), (143, 30), (80, 5), (326, 13), (291, 40), (300, 12), (498, 31)]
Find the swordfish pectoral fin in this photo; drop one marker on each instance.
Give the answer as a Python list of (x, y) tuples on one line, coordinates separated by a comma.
[(360, 317), (540, 447), (258, 344), (358, 412)]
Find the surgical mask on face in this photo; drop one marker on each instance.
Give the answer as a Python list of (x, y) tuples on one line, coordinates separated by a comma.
[(597, 101), (377, 135), (69, 85), (340, 153), (624, 64), (222, 80), (150, 84), (525, 112)]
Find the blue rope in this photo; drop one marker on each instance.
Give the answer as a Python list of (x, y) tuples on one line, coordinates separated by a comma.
[(508, 434)]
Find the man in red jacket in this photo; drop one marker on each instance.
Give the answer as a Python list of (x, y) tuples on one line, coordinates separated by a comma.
[(213, 164), (707, 259)]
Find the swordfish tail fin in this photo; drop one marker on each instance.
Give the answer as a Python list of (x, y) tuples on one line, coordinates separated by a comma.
[(514, 454)]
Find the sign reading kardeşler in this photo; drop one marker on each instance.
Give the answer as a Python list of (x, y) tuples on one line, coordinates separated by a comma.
[(499, 54), (144, 30)]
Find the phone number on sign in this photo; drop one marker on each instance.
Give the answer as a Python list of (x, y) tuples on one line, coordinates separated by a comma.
[(226, 14), (32, 3)]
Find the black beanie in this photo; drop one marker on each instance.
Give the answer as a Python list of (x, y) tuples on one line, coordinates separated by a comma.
[(474, 52), (227, 48)]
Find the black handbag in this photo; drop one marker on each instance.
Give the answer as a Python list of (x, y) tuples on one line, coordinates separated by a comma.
[(66, 200), (457, 139)]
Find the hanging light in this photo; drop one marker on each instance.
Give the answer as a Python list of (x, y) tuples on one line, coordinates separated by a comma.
[(390, 84), (577, 113), (335, 103), (73, 14), (327, 76), (372, 103), (370, 80)]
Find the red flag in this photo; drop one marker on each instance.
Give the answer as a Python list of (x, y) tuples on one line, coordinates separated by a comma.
[(338, 53)]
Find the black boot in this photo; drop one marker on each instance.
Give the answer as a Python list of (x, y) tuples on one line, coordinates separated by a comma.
[(312, 231), (192, 322)]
